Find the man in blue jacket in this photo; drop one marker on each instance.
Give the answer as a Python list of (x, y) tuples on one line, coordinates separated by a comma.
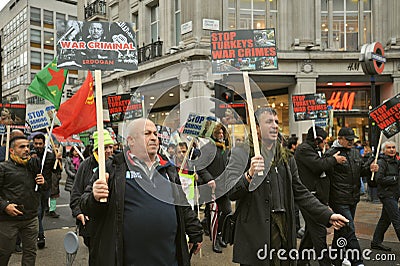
[(146, 216)]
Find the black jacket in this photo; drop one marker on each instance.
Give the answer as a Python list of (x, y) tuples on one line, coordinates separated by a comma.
[(345, 178), (17, 185), (107, 218), (388, 177), (253, 224), (211, 166), (81, 181), (71, 172), (310, 166)]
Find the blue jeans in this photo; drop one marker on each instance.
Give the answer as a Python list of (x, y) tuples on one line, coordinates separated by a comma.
[(348, 233), (390, 215)]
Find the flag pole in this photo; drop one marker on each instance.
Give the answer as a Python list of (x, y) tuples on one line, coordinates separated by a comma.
[(100, 127)]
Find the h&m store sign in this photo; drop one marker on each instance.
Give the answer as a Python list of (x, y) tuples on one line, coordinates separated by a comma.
[(341, 100)]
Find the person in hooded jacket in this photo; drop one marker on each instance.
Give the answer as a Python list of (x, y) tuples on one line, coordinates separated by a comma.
[(82, 180), (146, 217), (388, 182), (312, 166), (210, 174), (345, 191)]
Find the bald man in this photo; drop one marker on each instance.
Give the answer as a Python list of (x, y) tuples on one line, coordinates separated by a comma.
[(146, 215)]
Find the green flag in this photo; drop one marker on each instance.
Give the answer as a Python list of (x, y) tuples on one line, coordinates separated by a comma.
[(49, 83)]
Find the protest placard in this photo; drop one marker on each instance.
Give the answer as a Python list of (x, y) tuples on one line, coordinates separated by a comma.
[(309, 106), (387, 116), (42, 118), (243, 50), (199, 125), (117, 105)]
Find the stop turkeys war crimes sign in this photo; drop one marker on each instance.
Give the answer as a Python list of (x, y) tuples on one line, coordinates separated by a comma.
[(309, 106), (244, 50), (387, 116)]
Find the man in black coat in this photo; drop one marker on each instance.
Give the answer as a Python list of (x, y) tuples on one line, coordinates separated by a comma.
[(387, 177), (345, 191), (146, 217), (265, 203), (312, 167)]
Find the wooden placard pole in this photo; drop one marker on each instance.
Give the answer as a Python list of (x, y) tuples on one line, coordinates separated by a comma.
[(54, 149), (186, 155), (253, 126), (100, 127), (377, 154), (8, 142)]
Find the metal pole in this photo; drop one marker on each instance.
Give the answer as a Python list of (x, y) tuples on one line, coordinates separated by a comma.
[(374, 128)]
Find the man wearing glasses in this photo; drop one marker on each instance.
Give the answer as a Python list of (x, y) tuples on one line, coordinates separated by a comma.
[(345, 190)]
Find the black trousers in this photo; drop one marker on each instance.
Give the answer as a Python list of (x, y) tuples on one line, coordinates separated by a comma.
[(224, 208), (314, 238)]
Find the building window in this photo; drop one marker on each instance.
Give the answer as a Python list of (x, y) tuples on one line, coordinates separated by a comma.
[(344, 30), (48, 58), (177, 21), (35, 16), (48, 40), (247, 14), (35, 38), (60, 16), (72, 18), (48, 19), (35, 100), (36, 59), (135, 20), (155, 23)]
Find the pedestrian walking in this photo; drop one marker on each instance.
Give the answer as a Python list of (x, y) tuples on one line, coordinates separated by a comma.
[(38, 151), (388, 182), (211, 174), (142, 187), (265, 202), (19, 201), (82, 180), (345, 191), (311, 167)]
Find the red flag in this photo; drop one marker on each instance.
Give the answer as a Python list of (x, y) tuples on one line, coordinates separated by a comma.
[(78, 113)]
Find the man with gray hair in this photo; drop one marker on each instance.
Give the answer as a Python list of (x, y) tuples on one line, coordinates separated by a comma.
[(387, 179), (142, 187)]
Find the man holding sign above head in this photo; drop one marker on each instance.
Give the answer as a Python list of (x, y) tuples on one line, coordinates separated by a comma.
[(141, 187), (265, 188)]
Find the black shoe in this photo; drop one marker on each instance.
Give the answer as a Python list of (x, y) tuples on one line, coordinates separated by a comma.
[(380, 247), (53, 214), (18, 249), (217, 248), (41, 241), (205, 227), (221, 242)]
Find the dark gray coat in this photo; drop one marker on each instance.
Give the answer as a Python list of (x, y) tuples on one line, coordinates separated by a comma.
[(253, 225)]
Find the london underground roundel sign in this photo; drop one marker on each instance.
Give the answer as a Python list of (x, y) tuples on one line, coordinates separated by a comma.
[(372, 58)]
